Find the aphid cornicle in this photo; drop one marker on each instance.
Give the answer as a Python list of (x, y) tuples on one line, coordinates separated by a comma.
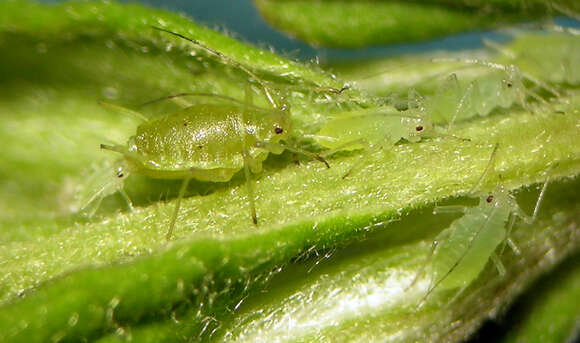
[(461, 251), (207, 142)]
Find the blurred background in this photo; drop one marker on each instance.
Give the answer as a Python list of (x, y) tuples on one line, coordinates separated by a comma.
[(242, 20)]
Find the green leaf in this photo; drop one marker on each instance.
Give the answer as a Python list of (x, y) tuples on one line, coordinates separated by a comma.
[(355, 24), (113, 276)]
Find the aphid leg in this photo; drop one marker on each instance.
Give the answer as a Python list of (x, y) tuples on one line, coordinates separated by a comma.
[(124, 110), (177, 205), (449, 209), (421, 270), (508, 241), (488, 169), (498, 265), (227, 60), (366, 148), (277, 146), (462, 103), (250, 187), (126, 197)]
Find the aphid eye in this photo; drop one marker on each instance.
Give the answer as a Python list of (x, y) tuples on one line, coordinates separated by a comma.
[(419, 128), (489, 199), (278, 130), (120, 174)]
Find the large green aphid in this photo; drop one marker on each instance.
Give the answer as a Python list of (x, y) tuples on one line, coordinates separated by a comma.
[(461, 251), (208, 142)]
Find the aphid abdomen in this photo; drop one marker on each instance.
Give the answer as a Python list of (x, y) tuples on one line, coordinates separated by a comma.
[(201, 137), (471, 240)]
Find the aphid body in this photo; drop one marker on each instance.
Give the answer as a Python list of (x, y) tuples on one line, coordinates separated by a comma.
[(500, 87), (206, 142), (552, 57), (365, 129), (463, 249)]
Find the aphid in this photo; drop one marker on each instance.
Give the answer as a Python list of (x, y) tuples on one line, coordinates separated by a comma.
[(549, 56), (207, 142), (369, 129), (461, 251), (501, 86)]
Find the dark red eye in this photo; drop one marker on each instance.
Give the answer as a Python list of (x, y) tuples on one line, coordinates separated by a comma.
[(419, 128), (489, 199), (278, 130)]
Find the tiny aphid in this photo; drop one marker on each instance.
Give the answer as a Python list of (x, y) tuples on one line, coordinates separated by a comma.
[(552, 57), (461, 251), (208, 142), (371, 129), (501, 86)]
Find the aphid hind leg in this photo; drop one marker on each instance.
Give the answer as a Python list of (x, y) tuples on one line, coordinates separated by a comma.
[(250, 187), (282, 146), (177, 206), (498, 264), (127, 198)]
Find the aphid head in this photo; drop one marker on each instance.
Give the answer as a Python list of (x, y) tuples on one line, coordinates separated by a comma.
[(512, 84), (417, 127), (500, 197), (275, 127), (104, 180)]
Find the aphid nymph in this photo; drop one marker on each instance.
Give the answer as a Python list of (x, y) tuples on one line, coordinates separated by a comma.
[(461, 251)]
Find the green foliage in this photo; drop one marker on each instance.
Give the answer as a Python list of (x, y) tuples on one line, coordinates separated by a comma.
[(323, 240), (353, 24)]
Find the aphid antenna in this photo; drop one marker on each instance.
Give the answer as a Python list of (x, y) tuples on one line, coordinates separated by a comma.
[(315, 88), (296, 150), (115, 148), (227, 59), (224, 97), (488, 169), (124, 110)]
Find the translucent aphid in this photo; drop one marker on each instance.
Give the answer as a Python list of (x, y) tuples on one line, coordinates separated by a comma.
[(207, 142), (552, 57), (369, 129), (461, 251), (500, 86)]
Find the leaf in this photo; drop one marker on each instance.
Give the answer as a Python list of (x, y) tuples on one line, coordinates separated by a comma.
[(113, 276), (355, 24)]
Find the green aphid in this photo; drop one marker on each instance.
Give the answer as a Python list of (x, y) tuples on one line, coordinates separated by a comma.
[(370, 129), (552, 57), (207, 142), (462, 250), (499, 86)]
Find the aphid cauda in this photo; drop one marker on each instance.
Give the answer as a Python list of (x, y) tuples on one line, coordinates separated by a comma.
[(462, 250), (207, 142)]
